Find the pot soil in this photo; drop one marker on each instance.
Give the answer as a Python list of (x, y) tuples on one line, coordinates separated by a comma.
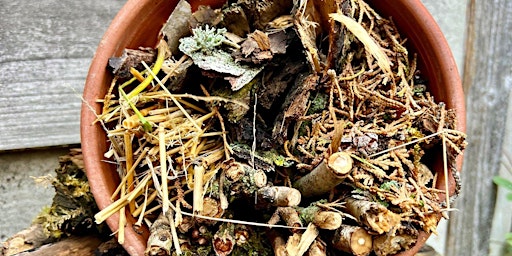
[(325, 128)]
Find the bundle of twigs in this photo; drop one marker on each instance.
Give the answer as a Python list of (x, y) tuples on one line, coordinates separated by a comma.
[(328, 145)]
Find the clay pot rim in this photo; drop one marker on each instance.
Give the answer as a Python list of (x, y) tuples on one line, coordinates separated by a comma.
[(93, 138)]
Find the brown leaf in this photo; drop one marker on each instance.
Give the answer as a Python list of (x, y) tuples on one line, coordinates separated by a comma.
[(120, 66)]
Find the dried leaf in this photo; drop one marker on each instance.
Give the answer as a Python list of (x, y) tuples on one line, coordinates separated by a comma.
[(131, 58), (364, 37), (176, 26)]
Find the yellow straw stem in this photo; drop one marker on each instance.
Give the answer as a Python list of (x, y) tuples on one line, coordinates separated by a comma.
[(156, 68), (129, 164), (163, 168)]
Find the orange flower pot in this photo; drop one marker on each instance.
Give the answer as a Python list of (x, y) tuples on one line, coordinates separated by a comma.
[(138, 23)]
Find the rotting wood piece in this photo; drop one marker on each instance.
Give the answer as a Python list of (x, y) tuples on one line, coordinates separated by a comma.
[(372, 215), (352, 239), (243, 179), (160, 238), (389, 244), (327, 175), (224, 239)]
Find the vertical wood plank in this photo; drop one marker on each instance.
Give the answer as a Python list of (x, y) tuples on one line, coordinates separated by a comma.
[(487, 81), (502, 218)]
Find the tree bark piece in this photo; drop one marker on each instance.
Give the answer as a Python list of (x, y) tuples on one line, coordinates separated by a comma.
[(70, 246), (327, 175), (390, 244), (372, 214), (353, 240)]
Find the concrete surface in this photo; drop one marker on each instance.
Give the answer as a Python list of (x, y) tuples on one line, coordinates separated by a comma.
[(21, 198)]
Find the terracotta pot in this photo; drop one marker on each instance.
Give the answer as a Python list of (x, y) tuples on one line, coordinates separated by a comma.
[(138, 23)]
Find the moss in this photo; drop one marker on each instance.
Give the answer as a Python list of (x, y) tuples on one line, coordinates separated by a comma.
[(73, 205), (318, 103)]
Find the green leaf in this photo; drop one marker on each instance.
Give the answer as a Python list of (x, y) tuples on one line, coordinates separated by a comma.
[(500, 181), (509, 196), (508, 238)]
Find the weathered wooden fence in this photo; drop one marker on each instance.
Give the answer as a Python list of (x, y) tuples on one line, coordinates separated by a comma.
[(487, 83)]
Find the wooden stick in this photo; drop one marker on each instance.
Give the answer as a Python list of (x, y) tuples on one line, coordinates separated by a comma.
[(278, 242), (279, 196), (317, 248), (198, 188), (289, 215), (163, 168), (304, 243), (352, 239), (327, 175)]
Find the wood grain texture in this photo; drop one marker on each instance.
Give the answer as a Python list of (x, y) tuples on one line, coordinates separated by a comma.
[(487, 83), (45, 50)]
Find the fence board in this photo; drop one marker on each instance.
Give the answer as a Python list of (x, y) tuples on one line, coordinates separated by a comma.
[(45, 50), (487, 81)]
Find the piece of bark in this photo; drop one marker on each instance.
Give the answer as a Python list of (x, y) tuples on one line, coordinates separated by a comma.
[(235, 20), (326, 176), (29, 239), (338, 41), (294, 106), (120, 66), (372, 215), (275, 82), (352, 239), (278, 196), (177, 25), (85, 245), (389, 244), (234, 111), (205, 15), (260, 13), (110, 248)]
